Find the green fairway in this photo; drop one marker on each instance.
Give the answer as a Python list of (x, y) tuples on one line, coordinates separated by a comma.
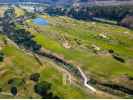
[(80, 36)]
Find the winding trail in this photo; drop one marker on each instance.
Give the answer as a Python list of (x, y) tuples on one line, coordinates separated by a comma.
[(86, 81), (70, 67)]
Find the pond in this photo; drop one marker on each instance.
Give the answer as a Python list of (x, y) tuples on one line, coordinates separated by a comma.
[(40, 21)]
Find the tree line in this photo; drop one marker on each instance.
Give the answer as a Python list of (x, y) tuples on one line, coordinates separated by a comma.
[(116, 13)]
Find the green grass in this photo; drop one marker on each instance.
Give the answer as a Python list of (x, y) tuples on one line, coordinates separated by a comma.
[(67, 90), (19, 65), (86, 33), (19, 12), (80, 35)]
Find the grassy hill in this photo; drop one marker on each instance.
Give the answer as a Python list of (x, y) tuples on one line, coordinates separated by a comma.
[(20, 65), (74, 40), (93, 46), (88, 45)]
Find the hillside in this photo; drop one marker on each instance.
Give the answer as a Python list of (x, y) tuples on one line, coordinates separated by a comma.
[(102, 51), (89, 47), (19, 65)]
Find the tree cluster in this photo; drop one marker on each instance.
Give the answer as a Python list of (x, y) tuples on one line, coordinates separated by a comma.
[(108, 12), (44, 90), (25, 39)]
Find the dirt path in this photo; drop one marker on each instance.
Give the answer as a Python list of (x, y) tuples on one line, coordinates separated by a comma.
[(86, 81)]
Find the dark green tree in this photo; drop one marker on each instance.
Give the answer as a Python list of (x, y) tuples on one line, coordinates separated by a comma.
[(1, 56), (42, 88), (35, 77), (14, 91)]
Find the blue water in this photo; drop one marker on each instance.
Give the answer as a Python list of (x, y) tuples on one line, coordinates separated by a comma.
[(40, 21)]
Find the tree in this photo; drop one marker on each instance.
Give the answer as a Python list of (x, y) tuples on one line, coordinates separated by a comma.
[(42, 88), (8, 20), (0, 89), (14, 91), (35, 77), (1, 56)]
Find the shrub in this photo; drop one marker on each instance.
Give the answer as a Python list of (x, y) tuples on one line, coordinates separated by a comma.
[(16, 82), (50, 96), (1, 56), (14, 91), (118, 58), (111, 51), (35, 77), (42, 88), (0, 89)]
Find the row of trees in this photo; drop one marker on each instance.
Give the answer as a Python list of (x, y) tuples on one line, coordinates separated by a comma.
[(116, 13), (8, 20), (20, 36), (24, 38)]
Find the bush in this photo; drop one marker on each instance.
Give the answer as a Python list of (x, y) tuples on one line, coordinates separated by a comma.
[(14, 91), (50, 96), (0, 89), (118, 58), (15, 82), (35, 77), (111, 51), (1, 56), (42, 88)]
